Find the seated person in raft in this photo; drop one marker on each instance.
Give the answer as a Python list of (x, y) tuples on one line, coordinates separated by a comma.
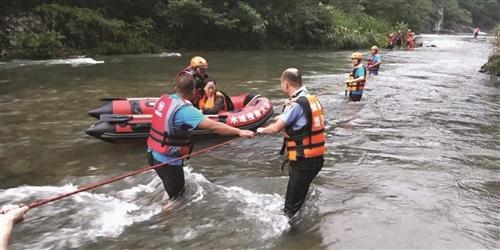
[(213, 101)]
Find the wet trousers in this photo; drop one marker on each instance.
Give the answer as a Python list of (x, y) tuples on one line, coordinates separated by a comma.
[(301, 173), (355, 98), (171, 176)]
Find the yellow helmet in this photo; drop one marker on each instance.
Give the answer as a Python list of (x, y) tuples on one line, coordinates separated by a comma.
[(357, 55), (198, 61), (374, 47)]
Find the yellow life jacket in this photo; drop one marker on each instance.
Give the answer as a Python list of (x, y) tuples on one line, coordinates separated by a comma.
[(208, 103), (309, 141)]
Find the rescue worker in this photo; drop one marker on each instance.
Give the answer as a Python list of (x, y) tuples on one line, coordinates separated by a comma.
[(169, 138), (374, 61), (304, 141), (410, 40), (214, 101), (197, 68), (357, 78)]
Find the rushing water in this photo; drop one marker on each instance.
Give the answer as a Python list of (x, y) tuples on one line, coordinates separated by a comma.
[(414, 165)]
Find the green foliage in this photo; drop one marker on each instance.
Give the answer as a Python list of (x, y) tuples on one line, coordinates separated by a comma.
[(455, 15), (37, 45), (196, 24), (420, 15), (142, 26), (484, 13), (493, 64)]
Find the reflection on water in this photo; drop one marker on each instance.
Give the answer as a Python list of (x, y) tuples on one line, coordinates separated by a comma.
[(415, 165)]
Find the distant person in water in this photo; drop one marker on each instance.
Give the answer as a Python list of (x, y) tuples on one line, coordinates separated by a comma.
[(476, 32), (214, 101), (304, 142), (174, 118), (9, 216), (410, 40), (197, 68), (391, 40), (399, 39), (374, 61), (357, 78)]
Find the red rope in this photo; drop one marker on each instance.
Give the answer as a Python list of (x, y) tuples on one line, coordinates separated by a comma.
[(123, 176)]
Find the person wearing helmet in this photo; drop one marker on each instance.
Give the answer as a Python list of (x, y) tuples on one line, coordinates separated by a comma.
[(374, 61), (357, 78), (198, 70), (410, 40)]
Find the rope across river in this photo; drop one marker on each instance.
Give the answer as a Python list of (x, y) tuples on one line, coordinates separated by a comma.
[(123, 176), (95, 185)]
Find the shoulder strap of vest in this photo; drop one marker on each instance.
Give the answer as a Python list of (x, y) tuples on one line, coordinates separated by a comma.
[(306, 107)]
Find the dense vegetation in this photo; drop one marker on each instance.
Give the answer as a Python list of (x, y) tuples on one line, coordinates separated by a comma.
[(493, 64), (44, 29)]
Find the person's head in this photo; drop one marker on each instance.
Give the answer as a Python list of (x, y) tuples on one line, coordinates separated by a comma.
[(409, 30), (399, 31), (291, 80), (199, 64), (356, 58), (184, 86), (210, 87), (374, 49)]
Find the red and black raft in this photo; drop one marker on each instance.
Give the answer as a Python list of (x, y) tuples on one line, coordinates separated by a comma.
[(123, 120)]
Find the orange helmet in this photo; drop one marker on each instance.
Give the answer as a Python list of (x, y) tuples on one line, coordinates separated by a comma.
[(357, 55), (198, 61)]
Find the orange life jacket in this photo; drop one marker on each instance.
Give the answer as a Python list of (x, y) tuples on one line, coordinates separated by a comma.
[(208, 103), (355, 86), (164, 138), (309, 141)]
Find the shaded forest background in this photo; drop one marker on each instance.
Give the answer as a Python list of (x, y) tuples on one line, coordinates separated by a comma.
[(55, 28)]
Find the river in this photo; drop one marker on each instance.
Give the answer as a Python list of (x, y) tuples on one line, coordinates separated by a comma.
[(414, 165)]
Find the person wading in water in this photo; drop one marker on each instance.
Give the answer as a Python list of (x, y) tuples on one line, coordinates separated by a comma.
[(304, 141), (357, 78), (174, 118)]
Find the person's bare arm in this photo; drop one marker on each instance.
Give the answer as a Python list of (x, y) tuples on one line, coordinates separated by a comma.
[(223, 129), (9, 216), (273, 128)]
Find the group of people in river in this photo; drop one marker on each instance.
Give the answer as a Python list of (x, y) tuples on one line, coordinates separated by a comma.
[(176, 115), (401, 40)]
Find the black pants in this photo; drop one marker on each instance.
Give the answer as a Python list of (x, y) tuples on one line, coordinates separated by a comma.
[(171, 176), (301, 172), (355, 98)]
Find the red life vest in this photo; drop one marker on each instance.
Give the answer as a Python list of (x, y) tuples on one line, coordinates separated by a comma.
[(309, 141), (164, 138)]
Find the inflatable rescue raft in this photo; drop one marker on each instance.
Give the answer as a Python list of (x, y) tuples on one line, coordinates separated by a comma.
[(124, 120)]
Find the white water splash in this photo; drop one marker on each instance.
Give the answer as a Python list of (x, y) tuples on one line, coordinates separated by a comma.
[(170, 54), (74, 62), (85, 217)]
